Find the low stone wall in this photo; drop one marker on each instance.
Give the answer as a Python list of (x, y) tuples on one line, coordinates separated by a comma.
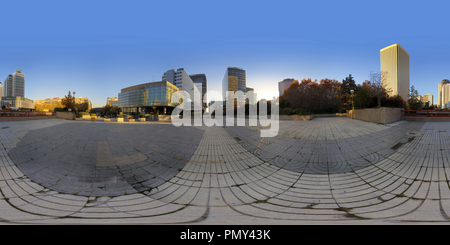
[(7, 119), (65, 115), (377, 115), (296, 117), (330, 115), (426, 119)]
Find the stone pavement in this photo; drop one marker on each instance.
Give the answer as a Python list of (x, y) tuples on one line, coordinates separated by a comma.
[(324, 171)]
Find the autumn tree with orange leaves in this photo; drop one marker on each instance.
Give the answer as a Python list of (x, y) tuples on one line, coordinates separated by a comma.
[(314, 96)]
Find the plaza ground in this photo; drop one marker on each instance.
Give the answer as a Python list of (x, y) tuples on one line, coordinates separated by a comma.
[(323, 171)]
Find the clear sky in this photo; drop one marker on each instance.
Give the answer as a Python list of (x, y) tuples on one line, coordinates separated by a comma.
[(96, 48)]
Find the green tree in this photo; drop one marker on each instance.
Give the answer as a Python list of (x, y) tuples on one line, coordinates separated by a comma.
[(345, 96), (414, 99), (68, 101)]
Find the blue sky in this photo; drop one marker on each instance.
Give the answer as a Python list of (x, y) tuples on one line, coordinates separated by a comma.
[(96, 48)]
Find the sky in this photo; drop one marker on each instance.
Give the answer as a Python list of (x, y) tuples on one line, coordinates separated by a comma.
[(96, 48)]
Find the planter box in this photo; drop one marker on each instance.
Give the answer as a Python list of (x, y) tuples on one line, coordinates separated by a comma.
[(141, 119), (107, 120), (119, 119), (131, 120), (79, 119)]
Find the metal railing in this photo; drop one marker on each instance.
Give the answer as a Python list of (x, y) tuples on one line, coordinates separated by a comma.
[(425, 113), (7, 113)]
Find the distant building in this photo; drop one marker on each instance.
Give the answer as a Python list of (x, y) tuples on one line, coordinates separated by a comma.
[(283, 85), (234, 80), (395, 61), (200, 82), (81, 100), (248, 99), (13, 92), (426, 100), (112, 101), (48, 104), (440, 97)]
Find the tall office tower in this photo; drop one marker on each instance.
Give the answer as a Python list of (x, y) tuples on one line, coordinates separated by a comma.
[(14, 85), (200, 82), (233, 81), (441, 84), (283, 85), (395, 61)]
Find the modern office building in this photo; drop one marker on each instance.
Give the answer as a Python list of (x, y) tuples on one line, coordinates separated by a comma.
[(441, 84), (181, 80), (427, 100), (147, 98), (395, 61), (234, 80), (112, 101), (200, 82), (283, 85)]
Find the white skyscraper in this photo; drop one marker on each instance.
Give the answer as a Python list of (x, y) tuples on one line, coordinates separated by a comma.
[(395, 61)]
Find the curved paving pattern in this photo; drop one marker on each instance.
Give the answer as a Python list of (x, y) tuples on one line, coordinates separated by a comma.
[(219, 175)]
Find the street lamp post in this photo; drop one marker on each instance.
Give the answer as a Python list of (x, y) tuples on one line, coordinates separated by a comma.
[(353, 105)]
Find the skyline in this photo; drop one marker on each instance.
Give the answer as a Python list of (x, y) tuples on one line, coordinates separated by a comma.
[(96, 49)]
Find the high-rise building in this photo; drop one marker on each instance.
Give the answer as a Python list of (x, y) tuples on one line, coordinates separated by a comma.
[(13, 92), (395, 61), (181, 80), (200, 82), (283, 85), (14, 85), (233, 81), (445, 95), (441, 84)]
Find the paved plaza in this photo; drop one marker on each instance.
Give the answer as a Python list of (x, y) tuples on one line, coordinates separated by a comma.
[(324, 171)]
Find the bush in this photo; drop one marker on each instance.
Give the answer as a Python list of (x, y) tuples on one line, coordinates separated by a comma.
[(141, 115), (120, 116), (298, 111), (287, 111)]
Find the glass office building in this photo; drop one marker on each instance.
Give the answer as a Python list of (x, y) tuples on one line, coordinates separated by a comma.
[(148, 97), (233, 81)]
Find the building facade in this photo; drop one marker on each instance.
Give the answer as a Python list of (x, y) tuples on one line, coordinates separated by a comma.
[(395, 61), (112, 101), (283, 85), (14, 85), (445, 96), (81, 100), (234, 80), (13, 92), (200, 82), (440, 97), (427, 100), (181, 80), (148, 97)]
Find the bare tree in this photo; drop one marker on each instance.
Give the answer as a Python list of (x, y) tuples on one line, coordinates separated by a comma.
[(378, 82)]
